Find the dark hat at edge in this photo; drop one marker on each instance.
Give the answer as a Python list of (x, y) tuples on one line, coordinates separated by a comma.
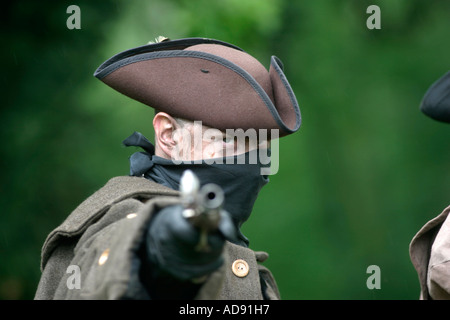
[(207, 80), (436, 101)]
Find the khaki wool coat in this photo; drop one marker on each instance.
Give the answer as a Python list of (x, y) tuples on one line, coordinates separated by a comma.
[(430, 254), (97, 245)]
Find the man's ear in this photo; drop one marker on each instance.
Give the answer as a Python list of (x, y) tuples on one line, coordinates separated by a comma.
[(165, 127)]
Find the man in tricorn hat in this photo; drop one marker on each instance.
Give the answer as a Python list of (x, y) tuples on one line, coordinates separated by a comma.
[(132, 239), (430, 247)]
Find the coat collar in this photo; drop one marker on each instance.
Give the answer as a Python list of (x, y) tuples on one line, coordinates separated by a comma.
[(91, 209)]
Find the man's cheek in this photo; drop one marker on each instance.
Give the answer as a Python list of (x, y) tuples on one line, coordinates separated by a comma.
[(213, 150)]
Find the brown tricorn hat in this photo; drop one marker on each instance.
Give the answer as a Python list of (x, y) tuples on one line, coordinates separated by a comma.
[(207, 80)]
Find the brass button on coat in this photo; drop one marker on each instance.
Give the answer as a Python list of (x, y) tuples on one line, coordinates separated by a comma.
[(103, 257), (240, 268)]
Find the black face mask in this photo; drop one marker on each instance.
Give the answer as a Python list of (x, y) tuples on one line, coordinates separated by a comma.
[(241, 183)]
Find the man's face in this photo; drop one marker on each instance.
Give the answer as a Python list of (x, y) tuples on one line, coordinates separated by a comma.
[(196, 141)]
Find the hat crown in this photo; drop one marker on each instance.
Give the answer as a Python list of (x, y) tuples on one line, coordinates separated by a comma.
[(242, 59)]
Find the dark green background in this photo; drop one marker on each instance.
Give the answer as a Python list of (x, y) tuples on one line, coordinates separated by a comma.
[(363, 174)]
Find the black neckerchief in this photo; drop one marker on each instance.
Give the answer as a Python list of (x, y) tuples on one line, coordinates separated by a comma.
[(241, 183)]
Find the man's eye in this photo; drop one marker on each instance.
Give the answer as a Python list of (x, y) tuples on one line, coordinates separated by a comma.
[(228, 140)]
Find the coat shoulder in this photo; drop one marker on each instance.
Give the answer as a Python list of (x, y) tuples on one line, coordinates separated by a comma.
[(90, 210)]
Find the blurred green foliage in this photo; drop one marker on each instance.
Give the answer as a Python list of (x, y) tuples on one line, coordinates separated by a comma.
[(359, 179)]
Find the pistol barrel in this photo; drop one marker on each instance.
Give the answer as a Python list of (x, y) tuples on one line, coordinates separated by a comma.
[(212, 196)]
